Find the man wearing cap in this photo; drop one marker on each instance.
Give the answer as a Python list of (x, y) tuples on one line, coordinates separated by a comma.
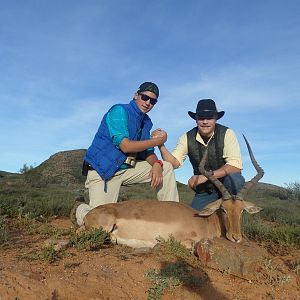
[(224, 156), (122, 153)]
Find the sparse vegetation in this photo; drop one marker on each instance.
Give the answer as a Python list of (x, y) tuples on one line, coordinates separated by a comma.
[(278, 222), (48, 254), (161, 281), (172, 249), (41, 227), (179, 268), (92, 239), (273, 275), (257, 229), (16, 198)]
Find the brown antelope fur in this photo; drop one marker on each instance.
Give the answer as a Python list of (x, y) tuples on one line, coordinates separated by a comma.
[(140, 223)]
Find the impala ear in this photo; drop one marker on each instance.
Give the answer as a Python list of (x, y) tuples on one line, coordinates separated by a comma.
[(210, 208), (205, 212), (251, 208)]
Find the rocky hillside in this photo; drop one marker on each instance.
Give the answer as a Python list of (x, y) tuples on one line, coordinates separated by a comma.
[(62, 168)]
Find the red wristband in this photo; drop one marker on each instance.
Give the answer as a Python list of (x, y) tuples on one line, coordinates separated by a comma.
[(159, 162)]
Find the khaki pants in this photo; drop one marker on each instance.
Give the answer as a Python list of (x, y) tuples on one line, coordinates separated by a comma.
[(167, 191)]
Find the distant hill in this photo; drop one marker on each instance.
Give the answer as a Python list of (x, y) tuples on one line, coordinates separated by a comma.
[(268, 186), (4, 173), (64, 168)]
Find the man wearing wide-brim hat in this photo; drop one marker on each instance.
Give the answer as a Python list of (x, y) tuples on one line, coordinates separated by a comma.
[(224, 157)]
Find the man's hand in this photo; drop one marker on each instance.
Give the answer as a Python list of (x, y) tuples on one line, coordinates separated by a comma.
[(195, 180), (159, 134), (156, 175)]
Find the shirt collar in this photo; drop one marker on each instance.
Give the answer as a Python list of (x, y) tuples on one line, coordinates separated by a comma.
[(200, 140), (136, 109)]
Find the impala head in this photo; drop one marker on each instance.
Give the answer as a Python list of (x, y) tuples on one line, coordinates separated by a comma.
[(232, 206)]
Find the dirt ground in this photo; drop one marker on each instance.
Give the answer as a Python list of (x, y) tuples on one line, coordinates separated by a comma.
[(119, 273)]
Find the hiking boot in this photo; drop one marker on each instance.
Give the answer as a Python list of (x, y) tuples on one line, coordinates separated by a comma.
[(78, 201)]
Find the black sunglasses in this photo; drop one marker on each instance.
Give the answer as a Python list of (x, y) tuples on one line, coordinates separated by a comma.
[(144, 97)]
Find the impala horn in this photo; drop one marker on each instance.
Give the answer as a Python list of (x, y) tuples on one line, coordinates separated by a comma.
[(260, 173), (217, 183)]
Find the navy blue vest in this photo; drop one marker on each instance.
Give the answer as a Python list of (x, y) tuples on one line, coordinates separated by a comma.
[(102, 155)]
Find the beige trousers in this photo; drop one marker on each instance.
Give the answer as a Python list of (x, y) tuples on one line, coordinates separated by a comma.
[(167, 191)]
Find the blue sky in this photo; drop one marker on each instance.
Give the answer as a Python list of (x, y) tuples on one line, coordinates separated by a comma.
[(64, 63)]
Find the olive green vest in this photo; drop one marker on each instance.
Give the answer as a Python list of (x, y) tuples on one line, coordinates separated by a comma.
[(215, 150)]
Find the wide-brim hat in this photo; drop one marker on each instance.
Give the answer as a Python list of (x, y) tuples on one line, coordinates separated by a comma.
[(206, 108)]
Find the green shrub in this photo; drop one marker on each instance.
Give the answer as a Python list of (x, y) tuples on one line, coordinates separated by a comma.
[(171, 249), (48, 254), (294, 190), (92, 239), (25, 168)]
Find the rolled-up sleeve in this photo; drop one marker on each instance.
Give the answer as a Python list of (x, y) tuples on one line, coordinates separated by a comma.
[(232, 153), (181, 150)]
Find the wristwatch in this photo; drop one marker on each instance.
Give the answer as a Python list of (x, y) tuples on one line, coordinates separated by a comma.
[(210, 173)]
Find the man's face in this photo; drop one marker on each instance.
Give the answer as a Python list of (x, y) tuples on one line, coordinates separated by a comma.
[(206, 125), (145, 101)]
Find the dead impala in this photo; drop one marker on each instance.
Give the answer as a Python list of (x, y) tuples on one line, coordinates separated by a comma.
[(139, 223)]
